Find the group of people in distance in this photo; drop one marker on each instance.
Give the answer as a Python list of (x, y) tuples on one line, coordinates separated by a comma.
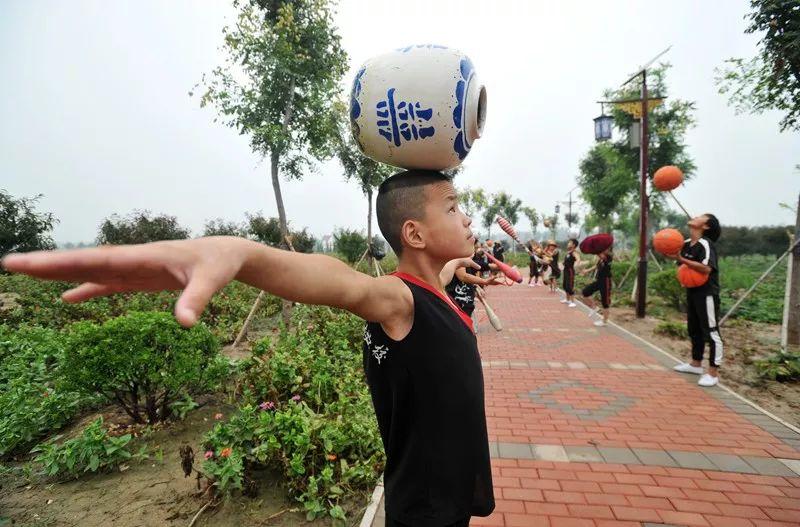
[(544, 266), (698, 252)]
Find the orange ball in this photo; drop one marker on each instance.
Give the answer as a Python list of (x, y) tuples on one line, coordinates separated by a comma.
[(667, 178), (668, 241), (688, 277)]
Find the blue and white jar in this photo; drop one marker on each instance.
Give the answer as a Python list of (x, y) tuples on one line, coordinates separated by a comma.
[(418, 107)]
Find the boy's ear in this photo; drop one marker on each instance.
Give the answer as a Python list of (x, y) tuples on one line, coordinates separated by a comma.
[(411, 235)]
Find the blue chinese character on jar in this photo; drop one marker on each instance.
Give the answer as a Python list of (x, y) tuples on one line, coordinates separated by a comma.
[(405, 120)]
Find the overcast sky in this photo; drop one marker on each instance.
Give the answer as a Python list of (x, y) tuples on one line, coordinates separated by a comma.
[(95, 112)]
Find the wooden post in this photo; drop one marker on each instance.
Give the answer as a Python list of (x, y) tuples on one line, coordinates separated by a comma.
[(793, 316)]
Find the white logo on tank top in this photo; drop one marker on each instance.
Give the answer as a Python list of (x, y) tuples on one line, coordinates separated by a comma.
[(379, 352)]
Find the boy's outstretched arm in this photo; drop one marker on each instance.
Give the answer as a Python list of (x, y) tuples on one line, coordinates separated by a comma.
[(203, 266)]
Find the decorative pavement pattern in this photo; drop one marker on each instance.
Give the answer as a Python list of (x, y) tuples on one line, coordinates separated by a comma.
[(590, 427)]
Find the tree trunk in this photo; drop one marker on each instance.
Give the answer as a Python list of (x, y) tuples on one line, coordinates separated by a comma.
[(286, 306), (793, 315), (370, 264)]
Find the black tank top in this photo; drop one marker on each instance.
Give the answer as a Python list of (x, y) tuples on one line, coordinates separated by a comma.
[(462, 293), (427, 390), (554, 263), (569, 261)]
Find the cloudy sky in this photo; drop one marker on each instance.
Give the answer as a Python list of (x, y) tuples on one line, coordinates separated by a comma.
[(95, 112)]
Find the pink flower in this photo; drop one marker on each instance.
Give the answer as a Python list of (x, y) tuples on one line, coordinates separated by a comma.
[(217, 417), (209, 454), (267, 405), (296, 398)]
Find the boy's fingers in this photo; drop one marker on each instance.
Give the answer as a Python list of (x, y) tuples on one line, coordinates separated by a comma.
[(76, 265), (195, 297), (87, 291)]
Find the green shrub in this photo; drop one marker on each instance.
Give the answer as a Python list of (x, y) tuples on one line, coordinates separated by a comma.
[(39, 304), (92, 451), (672, 329), (307, 413), (665, 284), (350, 243), (32, 402), (783, 367), (142, 362)]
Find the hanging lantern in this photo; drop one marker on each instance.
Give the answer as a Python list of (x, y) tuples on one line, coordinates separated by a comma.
[(602, 127), (635, 134)]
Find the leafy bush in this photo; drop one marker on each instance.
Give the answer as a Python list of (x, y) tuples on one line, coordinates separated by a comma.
[(141, 226), (665, 284), (22, 228), (350, 243), (32, 401), (92, 451), (783, 367), (307, 413), (142, 362), (672, 329), (39, 304)]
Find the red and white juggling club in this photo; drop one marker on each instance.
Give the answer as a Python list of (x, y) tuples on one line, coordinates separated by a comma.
[(505, 268)]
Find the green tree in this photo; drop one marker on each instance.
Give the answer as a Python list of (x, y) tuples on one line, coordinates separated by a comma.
[(472, 201), (533, 218), (22, 228), (220, 227), (141, 226), (349, 243), (771, 79), (503, 204), (283, 66), (368, 173), (268, 231), (265, 230), (609, 173), (303, 241)]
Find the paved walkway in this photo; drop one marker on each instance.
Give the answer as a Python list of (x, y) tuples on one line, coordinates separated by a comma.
[(591, 427)]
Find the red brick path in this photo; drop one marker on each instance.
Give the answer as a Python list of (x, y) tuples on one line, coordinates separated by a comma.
[(659, 410)]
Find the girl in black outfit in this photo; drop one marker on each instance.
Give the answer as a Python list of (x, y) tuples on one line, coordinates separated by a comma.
[(570, 260), (601, 284)]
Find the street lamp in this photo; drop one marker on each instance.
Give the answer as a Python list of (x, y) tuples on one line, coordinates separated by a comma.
[(640, 107), (602, 126)]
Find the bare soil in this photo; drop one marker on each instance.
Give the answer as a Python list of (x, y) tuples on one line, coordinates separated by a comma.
[(153, 492), (745, 342)]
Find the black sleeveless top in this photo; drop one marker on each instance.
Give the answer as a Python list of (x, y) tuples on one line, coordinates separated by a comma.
[(569, 261), (427, 390), (462, 293)]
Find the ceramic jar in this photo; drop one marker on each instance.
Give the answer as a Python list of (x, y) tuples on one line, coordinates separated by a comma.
[(418, 107)]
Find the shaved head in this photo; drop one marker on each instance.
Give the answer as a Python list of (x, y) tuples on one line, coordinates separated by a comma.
[(402, 197)]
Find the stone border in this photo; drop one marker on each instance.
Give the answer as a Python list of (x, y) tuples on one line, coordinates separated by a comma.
[(372, 508), (765, 466)]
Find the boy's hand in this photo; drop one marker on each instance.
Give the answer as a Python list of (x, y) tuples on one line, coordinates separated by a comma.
[(200, 267), (451, 267)]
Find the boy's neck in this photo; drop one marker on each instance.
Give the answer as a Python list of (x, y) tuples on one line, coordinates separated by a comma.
[(426, 269)]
